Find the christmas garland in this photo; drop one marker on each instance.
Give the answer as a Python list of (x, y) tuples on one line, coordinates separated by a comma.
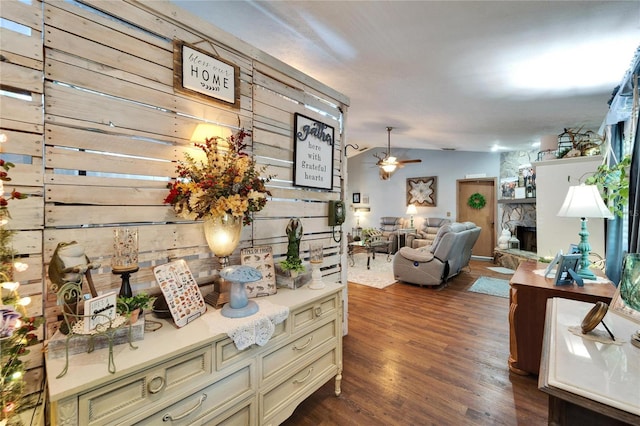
[(477, 201)]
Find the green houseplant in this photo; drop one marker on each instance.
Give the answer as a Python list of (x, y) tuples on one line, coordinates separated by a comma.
[(293, 265), (132, 306), (613, 184)]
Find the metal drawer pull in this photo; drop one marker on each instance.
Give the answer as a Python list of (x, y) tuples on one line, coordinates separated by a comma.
[(168, 417), (297, 382), (295, 348), (156, 389)]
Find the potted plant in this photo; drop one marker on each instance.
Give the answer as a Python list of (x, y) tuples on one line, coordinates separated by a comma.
[(294, 266), (613, 184), (132, 306)]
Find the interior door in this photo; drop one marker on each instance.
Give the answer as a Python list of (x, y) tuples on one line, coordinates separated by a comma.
[(484, 217)]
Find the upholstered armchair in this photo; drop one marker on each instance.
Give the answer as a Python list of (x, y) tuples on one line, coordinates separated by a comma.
[(389, 226), (427, 232), (440, 261)]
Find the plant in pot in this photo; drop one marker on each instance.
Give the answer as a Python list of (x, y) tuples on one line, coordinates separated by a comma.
[(131, 307), (294, 266), (613, 184)]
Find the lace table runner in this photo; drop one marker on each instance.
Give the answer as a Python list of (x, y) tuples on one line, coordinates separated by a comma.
[(254, 329)]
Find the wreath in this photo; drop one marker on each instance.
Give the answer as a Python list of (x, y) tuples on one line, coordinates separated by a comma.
[(477, 201)]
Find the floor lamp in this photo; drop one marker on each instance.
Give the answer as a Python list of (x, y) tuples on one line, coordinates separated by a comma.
[(584, 201)]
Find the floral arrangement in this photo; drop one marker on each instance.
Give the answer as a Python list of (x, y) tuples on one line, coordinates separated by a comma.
[(228, 182), (17, 330)]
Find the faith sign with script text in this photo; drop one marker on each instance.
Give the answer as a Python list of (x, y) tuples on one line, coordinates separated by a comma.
[(204, 75), (313, 151)]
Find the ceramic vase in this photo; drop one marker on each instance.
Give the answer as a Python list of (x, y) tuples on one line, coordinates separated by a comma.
[(630, 281)]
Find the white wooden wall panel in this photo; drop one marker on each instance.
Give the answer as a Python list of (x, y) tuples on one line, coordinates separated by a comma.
[(114, 128), (21, 121)]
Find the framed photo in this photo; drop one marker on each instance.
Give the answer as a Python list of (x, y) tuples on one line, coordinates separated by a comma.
[(422, 191), (356, 198), (203, 75), (622, 308), (365, 198), (313, 144), (566, 263), (553, 264)]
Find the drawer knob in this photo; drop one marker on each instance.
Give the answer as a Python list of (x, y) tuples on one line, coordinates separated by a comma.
[(318, 310), (155, 389), (298, 381), (168, 417), (295, 348)]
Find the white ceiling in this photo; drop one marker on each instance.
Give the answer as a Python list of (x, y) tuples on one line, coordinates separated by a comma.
[(465, 75)]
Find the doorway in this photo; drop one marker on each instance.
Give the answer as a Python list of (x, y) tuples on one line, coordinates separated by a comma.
[(484, 217)]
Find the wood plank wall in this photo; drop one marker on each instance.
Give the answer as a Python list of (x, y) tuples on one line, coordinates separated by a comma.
[(99, 133)]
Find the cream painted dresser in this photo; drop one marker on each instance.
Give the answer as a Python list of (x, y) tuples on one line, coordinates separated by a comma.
[(191, 376)]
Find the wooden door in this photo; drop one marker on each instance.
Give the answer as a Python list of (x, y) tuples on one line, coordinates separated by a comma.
[(484, 217)]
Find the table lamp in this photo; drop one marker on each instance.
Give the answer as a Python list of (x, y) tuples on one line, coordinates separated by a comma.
[(411, 210), (584, 201)]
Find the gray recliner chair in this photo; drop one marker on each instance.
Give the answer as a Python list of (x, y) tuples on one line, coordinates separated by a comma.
[(427, 232), (435, 264), (389, 226)]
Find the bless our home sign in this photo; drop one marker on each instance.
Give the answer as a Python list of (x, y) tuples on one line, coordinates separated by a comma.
[(201, 74), (313, 143)]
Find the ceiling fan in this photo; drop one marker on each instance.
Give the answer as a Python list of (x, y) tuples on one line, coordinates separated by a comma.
[(389, 164)]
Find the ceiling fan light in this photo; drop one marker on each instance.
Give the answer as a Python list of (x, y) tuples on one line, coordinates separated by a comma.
[(388, 167)]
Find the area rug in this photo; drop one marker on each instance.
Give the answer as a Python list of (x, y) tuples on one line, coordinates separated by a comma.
[(492, 286), (379, 276), (501, 270)]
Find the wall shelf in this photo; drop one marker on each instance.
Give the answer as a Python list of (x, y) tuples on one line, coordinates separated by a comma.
[(517, 201)]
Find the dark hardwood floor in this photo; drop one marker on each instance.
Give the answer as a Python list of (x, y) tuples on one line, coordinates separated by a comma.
[(424, 356)]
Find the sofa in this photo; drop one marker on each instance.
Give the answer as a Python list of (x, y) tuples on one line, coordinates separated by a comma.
[(427, 232), (433, 265)]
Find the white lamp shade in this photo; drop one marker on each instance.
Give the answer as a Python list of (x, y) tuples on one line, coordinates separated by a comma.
[(584, 201), (411, 209)]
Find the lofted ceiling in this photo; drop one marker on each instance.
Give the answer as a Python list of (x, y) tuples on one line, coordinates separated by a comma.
[(464, 75)]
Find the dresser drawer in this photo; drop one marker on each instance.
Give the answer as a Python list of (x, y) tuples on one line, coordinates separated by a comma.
[(229, 399), (227, 353), (313, 313), (114, 402), (285, 357), (298, 385)]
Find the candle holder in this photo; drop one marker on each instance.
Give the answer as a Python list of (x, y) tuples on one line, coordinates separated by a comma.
[(316, 258), (125, 257)]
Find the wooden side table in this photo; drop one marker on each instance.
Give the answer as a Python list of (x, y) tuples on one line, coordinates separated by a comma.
[(528, 300)]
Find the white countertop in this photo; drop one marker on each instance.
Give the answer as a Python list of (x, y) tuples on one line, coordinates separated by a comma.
[(87, 370), (607, 373)]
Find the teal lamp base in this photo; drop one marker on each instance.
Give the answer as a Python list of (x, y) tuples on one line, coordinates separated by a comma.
[(585, 249)]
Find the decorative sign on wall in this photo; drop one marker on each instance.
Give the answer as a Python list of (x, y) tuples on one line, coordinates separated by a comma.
[(201, 74), (422, 191), (313, 153), (261, 258)]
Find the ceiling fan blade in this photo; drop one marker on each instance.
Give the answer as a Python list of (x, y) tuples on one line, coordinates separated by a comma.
[(410, 161)]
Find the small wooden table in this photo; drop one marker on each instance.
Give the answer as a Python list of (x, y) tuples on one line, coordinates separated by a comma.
[(528, 300), (589, 383)]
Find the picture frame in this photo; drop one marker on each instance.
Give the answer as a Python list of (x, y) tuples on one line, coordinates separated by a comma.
[(99, 310), (567, 268), (200, 74), (422, 191), (313, 144), (356, 198), (552, 264), (365, 198), (261, 258)]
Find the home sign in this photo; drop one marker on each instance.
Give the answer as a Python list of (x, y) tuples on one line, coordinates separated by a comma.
[(201, 74)]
